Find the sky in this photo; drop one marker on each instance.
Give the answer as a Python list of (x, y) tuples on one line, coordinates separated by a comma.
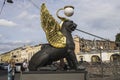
[(20, 23)]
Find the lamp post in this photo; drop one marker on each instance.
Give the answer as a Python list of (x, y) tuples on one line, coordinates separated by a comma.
[(68, 11), (101, 48), (101, 53)]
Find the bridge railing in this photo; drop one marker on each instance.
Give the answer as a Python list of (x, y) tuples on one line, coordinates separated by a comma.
[(111, 71)]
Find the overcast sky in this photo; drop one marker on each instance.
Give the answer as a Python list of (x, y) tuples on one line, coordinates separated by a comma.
[(20, 22)]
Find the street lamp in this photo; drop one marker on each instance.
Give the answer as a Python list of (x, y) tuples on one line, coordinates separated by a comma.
[(101, 53), (9, 1), (101, 48), (68, 11)]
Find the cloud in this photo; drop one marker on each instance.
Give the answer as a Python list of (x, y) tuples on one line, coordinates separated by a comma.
[(26, 15), (7, 23), (25, 5), (7, 46), (1, 35), (99, 17), (95, 10), (21, 42)]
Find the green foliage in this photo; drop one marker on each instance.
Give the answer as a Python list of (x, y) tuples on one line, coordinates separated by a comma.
[(117, 40)]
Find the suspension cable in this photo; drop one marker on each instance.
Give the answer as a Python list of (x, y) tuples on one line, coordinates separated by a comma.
[(92, 35), (2, 7), (34, 4)]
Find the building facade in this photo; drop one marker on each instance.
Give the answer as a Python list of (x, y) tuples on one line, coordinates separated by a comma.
[(20, 54), (84, 50), (85, 45)]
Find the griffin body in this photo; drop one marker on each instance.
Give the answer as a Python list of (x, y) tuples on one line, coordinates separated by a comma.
[(49, 53)]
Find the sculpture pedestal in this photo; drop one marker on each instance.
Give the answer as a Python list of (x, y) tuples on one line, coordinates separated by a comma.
[(54, 75)]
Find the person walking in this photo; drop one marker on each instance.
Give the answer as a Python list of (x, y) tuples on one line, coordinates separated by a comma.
[(25, 65), (11, 69)]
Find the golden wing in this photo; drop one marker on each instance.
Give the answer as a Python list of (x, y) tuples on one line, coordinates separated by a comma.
[(52, 29)]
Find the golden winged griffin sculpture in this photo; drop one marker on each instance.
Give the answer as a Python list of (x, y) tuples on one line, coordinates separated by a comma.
[(52, 29), (61, 44)]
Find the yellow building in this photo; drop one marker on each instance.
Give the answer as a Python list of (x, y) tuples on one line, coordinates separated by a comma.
[(20, 54)]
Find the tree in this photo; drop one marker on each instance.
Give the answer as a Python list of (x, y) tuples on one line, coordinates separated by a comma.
[(117, 40)]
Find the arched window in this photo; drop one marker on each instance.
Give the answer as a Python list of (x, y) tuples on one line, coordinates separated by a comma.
[(95, 59), (115, 58), (81, 58)]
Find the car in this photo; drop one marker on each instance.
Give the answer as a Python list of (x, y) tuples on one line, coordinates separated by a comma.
[(4, 66), (18, 66)]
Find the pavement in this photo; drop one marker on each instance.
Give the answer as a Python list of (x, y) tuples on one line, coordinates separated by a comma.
[(45, 75), (54, 75), (3, 75)]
